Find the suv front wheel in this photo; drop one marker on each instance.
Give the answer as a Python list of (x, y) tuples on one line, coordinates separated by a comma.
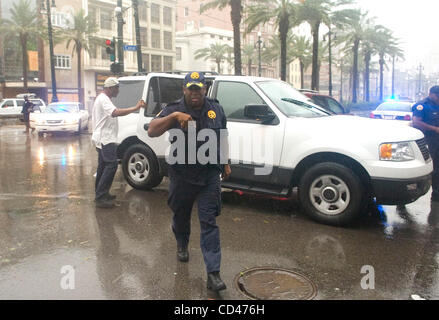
[(140, 167), (331, 193)]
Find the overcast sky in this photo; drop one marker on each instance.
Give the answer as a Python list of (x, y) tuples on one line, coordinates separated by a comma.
[(415, 23)]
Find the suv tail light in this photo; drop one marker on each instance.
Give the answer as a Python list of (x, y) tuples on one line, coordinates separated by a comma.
[(407, 117), (372, 116)]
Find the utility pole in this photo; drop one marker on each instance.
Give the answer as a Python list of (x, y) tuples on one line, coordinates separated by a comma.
[(120, 36), (52, 56), (138, 44)]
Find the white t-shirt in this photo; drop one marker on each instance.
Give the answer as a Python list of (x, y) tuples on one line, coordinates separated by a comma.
[(105, 127)]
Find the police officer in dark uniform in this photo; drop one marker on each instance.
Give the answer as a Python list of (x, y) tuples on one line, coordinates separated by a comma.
[(426, 119), (192, 180)]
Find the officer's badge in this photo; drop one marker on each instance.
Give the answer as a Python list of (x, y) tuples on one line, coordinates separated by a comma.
[(420, 107), (211, 114), (195, 75)]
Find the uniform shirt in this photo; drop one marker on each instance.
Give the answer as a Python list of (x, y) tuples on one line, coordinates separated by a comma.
[(105, 126), (428, 111), (210, 116)]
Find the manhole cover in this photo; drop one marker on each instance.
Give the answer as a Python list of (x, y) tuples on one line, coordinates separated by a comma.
[(275, 284)]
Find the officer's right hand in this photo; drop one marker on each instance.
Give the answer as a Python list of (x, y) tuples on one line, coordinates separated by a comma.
[(182, 119)]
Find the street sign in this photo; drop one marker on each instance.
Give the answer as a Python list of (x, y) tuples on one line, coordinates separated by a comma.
[(130, 48)]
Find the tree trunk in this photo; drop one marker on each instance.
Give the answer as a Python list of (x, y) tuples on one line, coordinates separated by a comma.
[(302, 71), (381, 77), (355, 72), (80, 95), (236, 22), (315, 57), (367, 58), (283, 32), (249, 66), (23, 39)]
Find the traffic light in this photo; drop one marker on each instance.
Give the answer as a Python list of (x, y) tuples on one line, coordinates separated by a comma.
[(111, 49)]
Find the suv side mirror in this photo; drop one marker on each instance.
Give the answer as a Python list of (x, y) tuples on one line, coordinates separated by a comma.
[(259, 112)]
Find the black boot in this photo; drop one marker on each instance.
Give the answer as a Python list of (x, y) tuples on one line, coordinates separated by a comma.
[(214, 282), (182, 254)]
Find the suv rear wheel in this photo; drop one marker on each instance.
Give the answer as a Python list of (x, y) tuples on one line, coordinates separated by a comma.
[(331, 193), (140, 167)]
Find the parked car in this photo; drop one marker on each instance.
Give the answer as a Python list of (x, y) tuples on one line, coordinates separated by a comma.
[(62, 116), (337, 168), (13, 106), (394, 110), (325, 101)]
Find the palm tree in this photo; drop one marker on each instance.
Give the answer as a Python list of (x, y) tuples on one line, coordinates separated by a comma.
[(236, 15), (284, 13), (217, 52), (302, 51), (81, 35), (353, 38), (317, 12), (24, 25), (386, 46), (248, 55)]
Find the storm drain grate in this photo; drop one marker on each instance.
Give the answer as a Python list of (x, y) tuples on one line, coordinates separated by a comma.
[(267, 283)]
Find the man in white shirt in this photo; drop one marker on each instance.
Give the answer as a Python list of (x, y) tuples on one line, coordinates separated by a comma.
[(105, 127)]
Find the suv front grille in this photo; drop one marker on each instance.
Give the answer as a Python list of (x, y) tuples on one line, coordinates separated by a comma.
[(422, 144)]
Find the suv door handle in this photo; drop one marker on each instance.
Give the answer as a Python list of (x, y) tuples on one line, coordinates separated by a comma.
[(146, 126)]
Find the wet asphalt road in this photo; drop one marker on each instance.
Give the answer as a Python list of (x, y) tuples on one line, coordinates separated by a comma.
[(48, 220)]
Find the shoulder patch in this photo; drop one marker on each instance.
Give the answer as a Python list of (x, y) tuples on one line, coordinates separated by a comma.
[(420, 107)]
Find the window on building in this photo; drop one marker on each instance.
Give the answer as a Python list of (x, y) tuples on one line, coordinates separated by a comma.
[(155, 13), (167, 40), (167, 63), (178, 53), (144, 36), (92, 51), (155, 38), (167, 16), (61, 20), (63, 61), (104, 54), (145, 62), (186, 11), (92, 14), (105, 19), (156, 63), (142, 11)]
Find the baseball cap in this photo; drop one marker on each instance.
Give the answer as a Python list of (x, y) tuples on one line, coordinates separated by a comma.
[(194, 79), (434, 89), (111, 82)]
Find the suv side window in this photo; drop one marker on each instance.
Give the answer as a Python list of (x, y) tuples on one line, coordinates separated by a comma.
[(130, 92), (8, 103), (161, 92), (234, 96)]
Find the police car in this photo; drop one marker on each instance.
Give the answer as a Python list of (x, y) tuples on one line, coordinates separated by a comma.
[(280, 140)]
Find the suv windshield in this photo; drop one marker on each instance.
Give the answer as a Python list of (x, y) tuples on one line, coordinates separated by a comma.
[(290, 101)]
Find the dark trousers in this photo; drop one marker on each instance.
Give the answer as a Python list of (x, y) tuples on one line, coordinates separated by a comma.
[(182, 196), (107, 167)]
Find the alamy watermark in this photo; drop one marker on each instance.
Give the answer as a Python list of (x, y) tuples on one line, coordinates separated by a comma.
[(253, 148), (68, 279), (368, 281)]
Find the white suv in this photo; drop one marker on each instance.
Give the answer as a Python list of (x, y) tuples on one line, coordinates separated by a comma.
[(13, 106), (339, 163)]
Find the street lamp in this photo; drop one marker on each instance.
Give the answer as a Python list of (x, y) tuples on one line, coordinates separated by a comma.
[(52, 56), (259, 42)]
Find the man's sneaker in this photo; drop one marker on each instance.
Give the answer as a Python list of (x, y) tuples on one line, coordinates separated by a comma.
[(182, 254), (105, 204), (214, 282)]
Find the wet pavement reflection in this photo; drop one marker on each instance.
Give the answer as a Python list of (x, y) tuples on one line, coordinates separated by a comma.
[(48, 220)]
